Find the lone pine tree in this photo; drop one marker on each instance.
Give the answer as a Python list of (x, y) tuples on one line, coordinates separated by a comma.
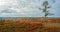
[(45, 10)]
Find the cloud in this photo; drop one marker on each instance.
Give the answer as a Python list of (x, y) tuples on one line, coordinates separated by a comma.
[(55, 8), (19, 8), (28, 8)]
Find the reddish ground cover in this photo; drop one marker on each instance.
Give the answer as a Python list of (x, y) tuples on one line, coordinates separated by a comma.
[(20, 27), (25, 27), (33, 26)]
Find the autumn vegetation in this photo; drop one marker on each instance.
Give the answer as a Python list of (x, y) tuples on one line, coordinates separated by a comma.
[(29, 25)]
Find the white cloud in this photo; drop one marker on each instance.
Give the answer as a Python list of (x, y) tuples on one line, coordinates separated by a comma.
[(24, 7), (20, 7)]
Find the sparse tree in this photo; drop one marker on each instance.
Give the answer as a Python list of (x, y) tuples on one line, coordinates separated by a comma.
[(45, 10)]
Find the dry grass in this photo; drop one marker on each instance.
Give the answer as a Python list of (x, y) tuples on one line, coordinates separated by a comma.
[(30, 25)]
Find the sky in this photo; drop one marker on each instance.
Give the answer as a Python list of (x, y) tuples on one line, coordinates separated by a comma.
[(27, 8)]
